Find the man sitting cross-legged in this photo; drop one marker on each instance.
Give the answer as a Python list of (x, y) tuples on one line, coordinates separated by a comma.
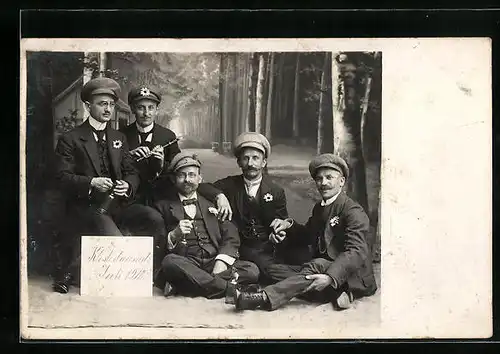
[(201, 249), (341, 269)]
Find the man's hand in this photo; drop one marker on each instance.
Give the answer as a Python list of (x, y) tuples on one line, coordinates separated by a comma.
[(279, 225), (224, 210), (158, 153), (219, 267), (184, 228), (140, 152), (277, 237), (102, 184), (320, 282), (121, 188)]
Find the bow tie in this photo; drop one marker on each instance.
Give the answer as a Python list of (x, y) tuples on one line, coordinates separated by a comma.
[(188, 201)]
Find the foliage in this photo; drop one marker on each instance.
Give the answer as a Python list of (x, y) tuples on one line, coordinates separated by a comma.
[(66, 123)]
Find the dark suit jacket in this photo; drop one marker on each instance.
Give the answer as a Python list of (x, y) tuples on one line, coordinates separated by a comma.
[(346, 243), (234, 189), (224, 235), (161, 136), (78, 161)]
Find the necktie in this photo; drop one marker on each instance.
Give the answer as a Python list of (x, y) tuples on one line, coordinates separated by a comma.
[(143, 137), (189, 201), (99, 133)]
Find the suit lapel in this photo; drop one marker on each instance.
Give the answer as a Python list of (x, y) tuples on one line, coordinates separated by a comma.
[(90, 146), (210, 220), (240, 194), (336, 210), (176, 209), (114, 152), (262, 191)]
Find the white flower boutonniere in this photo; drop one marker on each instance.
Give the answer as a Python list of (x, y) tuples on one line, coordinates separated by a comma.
[(145, 91), (268, 197), (117, 144), (212, 210), (334, 221)]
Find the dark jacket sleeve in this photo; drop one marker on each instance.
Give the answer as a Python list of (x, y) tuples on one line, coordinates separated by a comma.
[(209, 191), (281, 211), (230, 239), (355, 246), (225, 185), (72, 183), (303, 234), (129, 172)]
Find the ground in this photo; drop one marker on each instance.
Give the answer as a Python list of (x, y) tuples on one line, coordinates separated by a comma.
[(84, 317)]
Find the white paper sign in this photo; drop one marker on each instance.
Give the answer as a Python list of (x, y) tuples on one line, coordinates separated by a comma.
[(116, 266)]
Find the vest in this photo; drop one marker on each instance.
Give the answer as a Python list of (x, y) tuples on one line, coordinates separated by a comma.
[(104, 159), (199, 243), (320, 245), (254, 229)]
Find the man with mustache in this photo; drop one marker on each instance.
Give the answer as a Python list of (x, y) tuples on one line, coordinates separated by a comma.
[(342, 267), (202, 249), (153, 146), (93, 168), (256, 202)]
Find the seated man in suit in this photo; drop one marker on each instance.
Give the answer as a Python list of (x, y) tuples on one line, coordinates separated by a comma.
[(342, 267), (96, 175), (256, 201), (202, 249), (152, 147)]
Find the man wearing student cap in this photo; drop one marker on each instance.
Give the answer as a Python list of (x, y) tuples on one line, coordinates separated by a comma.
[(341, 269), (152, 147), (256, 202), (93, 163), (202, 249)]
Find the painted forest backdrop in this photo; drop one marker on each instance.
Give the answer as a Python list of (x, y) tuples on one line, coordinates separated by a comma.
[(320, 101)]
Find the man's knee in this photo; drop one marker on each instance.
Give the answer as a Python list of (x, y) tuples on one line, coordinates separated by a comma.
[(248, 271), (316, 266), (171, 261)]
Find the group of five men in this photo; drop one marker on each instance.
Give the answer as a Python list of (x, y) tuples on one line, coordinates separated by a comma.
[(208, 235)]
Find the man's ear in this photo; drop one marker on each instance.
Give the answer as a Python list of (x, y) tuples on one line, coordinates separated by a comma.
[(172, 177), (200, 178), (342, 181), (264, 162), (87, 105)]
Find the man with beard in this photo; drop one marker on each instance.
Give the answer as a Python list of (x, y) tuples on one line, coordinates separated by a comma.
[(93, 168), (153, 146), (202, 249), (342, 267), (256, 202)]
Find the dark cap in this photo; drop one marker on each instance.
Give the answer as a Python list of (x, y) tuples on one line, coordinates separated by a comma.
[(143, 92), (252, 140), (100, 86), (329, 161), (183, 159)]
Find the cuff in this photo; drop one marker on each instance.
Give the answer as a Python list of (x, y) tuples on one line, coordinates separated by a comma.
[(290, 220), (225, 258), (334, 284), (170, 244)]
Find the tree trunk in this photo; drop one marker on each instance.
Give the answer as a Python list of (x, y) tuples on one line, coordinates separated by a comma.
[(222, 72), (321, 118), (270, 98), (295, 123), (250, 97), (260, 92)]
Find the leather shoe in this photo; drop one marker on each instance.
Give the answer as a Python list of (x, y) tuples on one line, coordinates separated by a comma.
[(62, 285), (250, 301), (345, 300), (168, 289)]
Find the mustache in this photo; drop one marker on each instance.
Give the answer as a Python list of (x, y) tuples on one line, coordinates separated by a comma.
[(251, 169)]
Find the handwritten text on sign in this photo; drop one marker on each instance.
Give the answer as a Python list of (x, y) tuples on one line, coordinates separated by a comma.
[(116, 266)]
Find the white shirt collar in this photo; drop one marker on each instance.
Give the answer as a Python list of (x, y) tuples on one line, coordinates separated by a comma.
[(330, 200), (144, 130), (255, 182), (94, 123), (183, 197)]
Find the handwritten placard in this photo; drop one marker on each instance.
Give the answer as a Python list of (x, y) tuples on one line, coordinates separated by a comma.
[(116, 266)]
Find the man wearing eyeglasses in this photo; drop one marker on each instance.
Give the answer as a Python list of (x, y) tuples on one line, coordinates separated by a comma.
[(96, 174)]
